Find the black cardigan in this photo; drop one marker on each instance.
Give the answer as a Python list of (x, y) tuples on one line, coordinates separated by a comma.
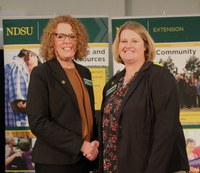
[(150, 136)]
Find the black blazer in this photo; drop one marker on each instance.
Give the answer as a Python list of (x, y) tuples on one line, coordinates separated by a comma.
[(53, 113), (150, 136)]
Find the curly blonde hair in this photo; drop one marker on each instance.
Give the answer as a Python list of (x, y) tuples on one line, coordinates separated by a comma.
[(150, 52), (47, 39)]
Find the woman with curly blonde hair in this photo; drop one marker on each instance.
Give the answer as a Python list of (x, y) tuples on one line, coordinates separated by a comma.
[(47, 40), (60, 104)]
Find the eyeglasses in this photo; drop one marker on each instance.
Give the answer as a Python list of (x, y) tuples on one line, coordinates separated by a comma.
[(62, 37)]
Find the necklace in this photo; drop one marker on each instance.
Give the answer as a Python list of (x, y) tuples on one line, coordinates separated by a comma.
[(127, 78)]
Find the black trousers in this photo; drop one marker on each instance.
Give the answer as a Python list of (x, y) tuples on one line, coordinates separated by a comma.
[(80, 167)]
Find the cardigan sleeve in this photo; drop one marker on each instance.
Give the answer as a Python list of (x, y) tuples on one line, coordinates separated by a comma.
[(164, 92)]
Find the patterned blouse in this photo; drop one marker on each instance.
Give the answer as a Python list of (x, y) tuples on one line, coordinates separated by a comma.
[(110, 126)]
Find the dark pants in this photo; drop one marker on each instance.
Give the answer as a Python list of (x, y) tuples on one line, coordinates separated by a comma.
[(79, 167)]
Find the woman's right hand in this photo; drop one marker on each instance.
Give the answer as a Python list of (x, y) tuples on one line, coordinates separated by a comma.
[(90, 150)]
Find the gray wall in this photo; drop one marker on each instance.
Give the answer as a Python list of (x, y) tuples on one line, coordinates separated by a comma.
[(162, 7), (111, 8)]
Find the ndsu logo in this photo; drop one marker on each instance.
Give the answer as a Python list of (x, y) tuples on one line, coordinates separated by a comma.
[(12, 31)]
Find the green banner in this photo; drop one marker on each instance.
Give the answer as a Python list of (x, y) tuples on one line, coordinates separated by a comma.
[(167, 29), (98, 29), (29, 31), (23, 31)]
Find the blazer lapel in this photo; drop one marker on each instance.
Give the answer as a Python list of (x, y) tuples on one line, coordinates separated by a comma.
[(110, 86), (82, 74), (134, 85), (61, 77)]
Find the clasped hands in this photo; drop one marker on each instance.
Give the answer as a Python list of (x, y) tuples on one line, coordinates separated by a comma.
[(90, 149)]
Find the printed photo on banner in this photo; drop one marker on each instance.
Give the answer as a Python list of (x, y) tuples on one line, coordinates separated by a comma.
[(18, 150), (183, 61), (18, 64), (192, 138)]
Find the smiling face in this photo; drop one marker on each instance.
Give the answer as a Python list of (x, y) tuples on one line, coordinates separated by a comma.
[(131, 47), (65, 49)]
